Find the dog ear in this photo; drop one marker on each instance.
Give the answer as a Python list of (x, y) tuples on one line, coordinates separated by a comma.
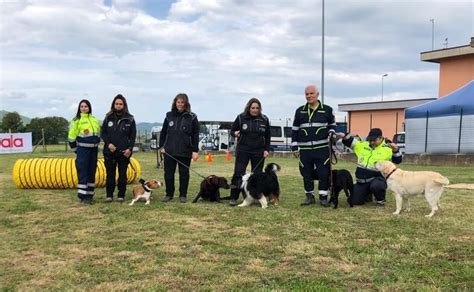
[(141, 181)]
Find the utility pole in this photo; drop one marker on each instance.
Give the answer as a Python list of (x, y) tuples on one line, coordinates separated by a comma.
[(432, 34)]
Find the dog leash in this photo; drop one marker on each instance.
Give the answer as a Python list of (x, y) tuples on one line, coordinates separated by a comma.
[(186, 166)]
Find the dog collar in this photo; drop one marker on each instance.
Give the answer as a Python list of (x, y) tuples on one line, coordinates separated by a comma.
[(390, 173), (146, 187)]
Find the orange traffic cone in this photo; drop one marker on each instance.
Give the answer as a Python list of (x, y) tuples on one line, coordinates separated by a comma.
[(209, 158), (227, 156)]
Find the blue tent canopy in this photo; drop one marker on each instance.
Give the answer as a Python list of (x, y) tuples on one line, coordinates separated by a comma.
[(449, 105)]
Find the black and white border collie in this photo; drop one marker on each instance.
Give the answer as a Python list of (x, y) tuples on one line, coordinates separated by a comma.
[(262, 187)]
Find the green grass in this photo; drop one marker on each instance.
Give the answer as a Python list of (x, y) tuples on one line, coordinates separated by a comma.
[(50, 241)]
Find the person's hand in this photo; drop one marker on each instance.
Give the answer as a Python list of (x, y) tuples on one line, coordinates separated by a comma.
[(340, 135), (112, 147), (195, 156), (162, 150), (265, 154), (237, 134), (394, 147), (127, 153)]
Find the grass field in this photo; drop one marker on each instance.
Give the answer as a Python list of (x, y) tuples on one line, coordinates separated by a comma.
[(50, 241)]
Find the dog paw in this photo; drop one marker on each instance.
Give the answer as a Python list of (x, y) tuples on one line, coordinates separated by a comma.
[(396, 213)]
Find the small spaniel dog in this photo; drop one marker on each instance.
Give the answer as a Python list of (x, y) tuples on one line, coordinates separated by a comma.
[(262, 187), (143, 191), (209, 190)]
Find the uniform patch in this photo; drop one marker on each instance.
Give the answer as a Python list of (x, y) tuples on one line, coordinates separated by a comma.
[(110, 123), (171, 124), (244, 127)]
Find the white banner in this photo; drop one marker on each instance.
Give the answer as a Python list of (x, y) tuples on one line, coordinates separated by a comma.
[(15, 143)]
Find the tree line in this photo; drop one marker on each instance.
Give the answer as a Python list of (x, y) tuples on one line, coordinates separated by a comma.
[(55, 128)]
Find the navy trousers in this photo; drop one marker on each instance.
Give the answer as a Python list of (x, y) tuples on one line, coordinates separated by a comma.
[(170, 169), (86, 165), (309, 159), (111, 164)]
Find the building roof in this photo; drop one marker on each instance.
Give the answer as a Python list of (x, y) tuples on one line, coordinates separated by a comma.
[(382, 105), (437, 56)]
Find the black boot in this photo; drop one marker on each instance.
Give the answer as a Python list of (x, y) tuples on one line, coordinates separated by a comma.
[(323, 200), (309, 200)]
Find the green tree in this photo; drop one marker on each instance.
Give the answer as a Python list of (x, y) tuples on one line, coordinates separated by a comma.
[(55, 129), (12, 122)]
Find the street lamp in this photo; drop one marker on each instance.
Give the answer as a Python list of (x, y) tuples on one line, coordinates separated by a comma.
[(384, 75)]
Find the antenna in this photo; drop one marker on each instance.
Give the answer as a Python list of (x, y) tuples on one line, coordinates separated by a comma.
[(445, 43)]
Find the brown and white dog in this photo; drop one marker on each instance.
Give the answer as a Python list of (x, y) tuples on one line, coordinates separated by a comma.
[(143, 191), (406, 184)]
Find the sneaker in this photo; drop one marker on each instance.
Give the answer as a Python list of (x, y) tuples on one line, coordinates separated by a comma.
[(233, 203), (120, 200), (109, 199), (182, 199), (380, 203), (167, 199), (324, 202)]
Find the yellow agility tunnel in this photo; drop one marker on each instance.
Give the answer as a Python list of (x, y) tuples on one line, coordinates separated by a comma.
[(61, 173)]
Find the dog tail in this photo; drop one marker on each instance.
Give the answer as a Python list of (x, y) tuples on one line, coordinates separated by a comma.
[(272, 168), (442, 180)]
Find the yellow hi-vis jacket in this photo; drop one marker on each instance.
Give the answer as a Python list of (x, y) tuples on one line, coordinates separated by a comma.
[(84, 132)]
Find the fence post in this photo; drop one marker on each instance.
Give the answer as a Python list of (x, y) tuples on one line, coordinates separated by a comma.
[(460, 131), (426, 132)]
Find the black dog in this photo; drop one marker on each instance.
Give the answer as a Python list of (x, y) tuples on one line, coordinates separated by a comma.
[(341, 180), (209, 190)]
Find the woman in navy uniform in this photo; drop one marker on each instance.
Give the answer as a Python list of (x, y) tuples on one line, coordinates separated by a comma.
[(179, 139), (118, 132), (252, 130), (84, 138)]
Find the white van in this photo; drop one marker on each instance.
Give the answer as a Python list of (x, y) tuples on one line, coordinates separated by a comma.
[(280, 136)]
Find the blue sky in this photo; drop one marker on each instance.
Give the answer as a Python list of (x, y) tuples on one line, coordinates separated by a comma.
[(220, 52)]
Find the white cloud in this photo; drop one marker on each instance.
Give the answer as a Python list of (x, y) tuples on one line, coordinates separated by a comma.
[(220, 52)]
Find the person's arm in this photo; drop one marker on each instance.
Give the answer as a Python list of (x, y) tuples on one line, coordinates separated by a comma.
[(348, 140), (397, 156), (235, 127), (72, 134), (195, 134), (133, 135), (268, 136), (103, 133), (163, 133), (332, 122), (294, 132)]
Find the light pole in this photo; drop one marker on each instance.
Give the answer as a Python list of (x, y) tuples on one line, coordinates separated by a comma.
[(384, 75), (432, 33), (322, 55)]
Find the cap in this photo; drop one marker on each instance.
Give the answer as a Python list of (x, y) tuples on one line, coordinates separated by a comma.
[(374, 134)]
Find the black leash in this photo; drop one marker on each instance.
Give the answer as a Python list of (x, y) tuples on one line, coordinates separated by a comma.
[(186, 166)]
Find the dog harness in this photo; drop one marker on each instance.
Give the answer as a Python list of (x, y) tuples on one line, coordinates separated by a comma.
[(145, 187)]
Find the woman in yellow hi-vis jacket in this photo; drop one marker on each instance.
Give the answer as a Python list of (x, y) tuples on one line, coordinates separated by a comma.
[(84, 138)]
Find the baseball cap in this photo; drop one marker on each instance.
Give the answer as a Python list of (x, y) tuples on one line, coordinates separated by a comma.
[(374, 134)]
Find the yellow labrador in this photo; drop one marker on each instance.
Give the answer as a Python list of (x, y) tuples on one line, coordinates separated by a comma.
[(405, 184)]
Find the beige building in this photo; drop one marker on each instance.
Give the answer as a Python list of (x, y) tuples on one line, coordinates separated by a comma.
[(387, 115), (456, 66), (456, 69)]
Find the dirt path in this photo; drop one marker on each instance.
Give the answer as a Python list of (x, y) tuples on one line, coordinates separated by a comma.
[(461, 186)]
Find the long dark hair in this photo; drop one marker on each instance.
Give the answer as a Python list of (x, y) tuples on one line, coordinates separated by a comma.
[(249, 104), (185, 98), (125, 106), (78, 114)]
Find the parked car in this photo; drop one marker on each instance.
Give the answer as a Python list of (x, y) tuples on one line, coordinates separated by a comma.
[(399, 140)]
